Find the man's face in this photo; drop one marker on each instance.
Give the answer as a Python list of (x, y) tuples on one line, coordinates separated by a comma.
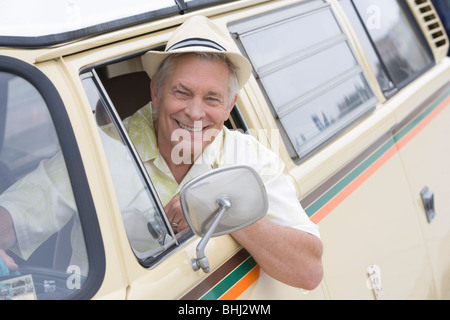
[(193, 105)]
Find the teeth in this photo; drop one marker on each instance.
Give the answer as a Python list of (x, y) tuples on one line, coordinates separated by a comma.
[(189, 128)]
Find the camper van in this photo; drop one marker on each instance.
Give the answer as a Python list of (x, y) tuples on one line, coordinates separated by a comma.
[(353, 95)]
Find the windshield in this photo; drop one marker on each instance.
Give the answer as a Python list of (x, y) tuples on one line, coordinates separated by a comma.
[(33, 23)]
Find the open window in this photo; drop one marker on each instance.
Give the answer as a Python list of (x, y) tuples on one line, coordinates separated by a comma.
[(148, 230), (116, 91), (128, 88)]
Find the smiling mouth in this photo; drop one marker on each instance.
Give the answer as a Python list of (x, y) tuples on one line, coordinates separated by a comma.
[(191, 129)]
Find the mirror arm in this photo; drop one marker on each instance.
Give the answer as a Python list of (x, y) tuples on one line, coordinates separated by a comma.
[(202, 261)]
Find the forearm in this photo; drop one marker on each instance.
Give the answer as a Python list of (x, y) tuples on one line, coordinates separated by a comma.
[(7, 233), (287, 254)]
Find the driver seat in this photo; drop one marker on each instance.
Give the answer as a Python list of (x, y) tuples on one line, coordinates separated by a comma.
[(128, 92)]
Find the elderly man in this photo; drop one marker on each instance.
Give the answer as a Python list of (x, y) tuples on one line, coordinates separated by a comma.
[(195, 83)]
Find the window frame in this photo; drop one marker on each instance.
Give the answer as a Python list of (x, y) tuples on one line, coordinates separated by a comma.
[(78, 179), (90, 71), (416, 32), (315, 144), (236, 120)]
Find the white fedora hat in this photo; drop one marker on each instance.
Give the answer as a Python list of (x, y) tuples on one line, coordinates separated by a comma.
[(199, 34)]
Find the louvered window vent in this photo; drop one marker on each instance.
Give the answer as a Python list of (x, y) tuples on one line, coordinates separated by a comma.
[(431, 25)]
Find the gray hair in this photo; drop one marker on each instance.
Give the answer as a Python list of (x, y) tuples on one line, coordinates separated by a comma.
[(167, 65)]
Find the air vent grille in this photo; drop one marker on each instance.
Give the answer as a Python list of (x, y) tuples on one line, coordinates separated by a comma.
[(431, 25)]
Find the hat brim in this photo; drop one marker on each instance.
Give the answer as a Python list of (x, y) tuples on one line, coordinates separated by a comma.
[(151, 61)]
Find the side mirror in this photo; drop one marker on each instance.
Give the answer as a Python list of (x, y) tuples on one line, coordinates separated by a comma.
[(220, 202)]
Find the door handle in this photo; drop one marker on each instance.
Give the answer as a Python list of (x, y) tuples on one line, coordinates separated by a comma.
[(428, 203)]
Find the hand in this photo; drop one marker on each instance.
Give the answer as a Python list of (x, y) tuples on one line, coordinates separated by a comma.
[(7, 232), (12, 266), (175, 214)]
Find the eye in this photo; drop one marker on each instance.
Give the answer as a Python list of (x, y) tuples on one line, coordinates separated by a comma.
[(212, 100), (181, 94)]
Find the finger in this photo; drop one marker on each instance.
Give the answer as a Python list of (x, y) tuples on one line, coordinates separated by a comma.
[(182, 223), (175, 214), (171, 208), (10, 263)]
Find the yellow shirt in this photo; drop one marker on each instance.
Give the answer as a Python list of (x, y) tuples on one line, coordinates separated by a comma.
[(229, 147), (42, 202)]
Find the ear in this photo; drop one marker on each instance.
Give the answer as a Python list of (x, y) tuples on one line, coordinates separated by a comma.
[(154, 94), (230, 108)]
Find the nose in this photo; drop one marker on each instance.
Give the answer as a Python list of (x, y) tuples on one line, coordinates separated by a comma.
[(195, 110)]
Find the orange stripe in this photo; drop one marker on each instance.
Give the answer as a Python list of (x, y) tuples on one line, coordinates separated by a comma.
[(333, 203), (423, 124), (242, 285)]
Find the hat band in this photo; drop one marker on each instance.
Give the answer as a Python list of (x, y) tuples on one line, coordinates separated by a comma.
[(196, 42)]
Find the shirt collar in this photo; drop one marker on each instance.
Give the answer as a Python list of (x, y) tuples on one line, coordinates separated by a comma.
[(142, 133), (208, 160)]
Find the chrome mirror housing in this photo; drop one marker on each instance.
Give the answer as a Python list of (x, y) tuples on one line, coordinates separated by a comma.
[(220, 202)]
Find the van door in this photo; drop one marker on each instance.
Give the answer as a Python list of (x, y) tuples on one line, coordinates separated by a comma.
[(425, 158), (421, 109)]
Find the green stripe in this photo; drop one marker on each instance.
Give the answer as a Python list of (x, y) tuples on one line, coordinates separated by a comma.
[(421, 116), (237, 274), (344, 182)]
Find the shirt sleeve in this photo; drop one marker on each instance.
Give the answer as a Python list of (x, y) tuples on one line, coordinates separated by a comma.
[(40, 204), (284, 207)]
